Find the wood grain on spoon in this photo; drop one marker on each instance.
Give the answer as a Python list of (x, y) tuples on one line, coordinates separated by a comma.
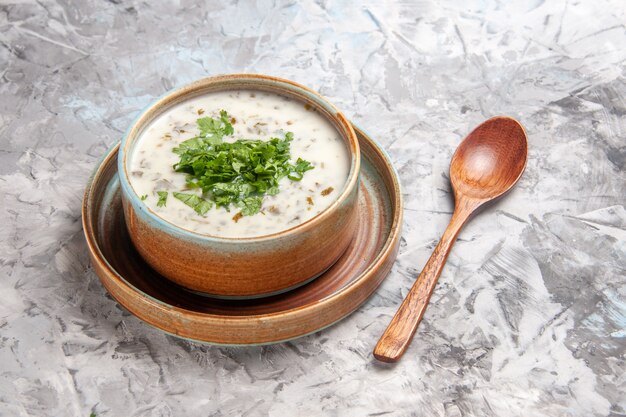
[(486, 165)]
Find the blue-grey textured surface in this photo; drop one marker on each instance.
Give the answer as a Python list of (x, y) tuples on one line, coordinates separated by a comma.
[(529, 317)]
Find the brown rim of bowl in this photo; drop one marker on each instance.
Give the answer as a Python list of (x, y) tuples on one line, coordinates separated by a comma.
[(240, 81)]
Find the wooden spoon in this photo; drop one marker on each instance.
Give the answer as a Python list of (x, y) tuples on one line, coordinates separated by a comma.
[(486, 165)]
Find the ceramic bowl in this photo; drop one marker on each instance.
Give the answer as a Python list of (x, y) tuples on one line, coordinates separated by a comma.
[(250, 266)]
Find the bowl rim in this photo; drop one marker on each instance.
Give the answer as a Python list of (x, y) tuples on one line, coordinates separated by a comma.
[(243, 81)]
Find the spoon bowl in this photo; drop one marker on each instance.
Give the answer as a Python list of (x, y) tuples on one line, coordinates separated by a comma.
[(490, 160), (486, 165)]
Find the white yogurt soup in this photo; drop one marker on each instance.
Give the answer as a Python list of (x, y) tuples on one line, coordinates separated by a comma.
[(254, 115)]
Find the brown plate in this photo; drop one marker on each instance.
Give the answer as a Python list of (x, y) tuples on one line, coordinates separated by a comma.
[(309, 308)]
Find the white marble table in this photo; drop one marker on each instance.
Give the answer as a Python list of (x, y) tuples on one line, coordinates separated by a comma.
[(529, 316)]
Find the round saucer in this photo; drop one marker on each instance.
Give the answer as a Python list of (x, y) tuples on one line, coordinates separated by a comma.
[(309, 308)]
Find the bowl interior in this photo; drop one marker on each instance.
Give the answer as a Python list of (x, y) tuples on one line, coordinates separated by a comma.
[(230, 83)]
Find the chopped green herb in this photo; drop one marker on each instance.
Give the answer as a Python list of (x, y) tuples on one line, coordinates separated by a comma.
[(239, 173), (143, 197), (162, 198), (301, 167), (200, 205), (215, 128), (250, 205)]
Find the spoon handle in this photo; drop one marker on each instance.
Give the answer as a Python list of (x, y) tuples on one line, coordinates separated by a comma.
[(400, 331)]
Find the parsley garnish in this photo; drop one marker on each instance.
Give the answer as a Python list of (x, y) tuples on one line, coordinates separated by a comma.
[(239, 173), (143, 197), (250, 205), (162, 198), (200, 205)]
